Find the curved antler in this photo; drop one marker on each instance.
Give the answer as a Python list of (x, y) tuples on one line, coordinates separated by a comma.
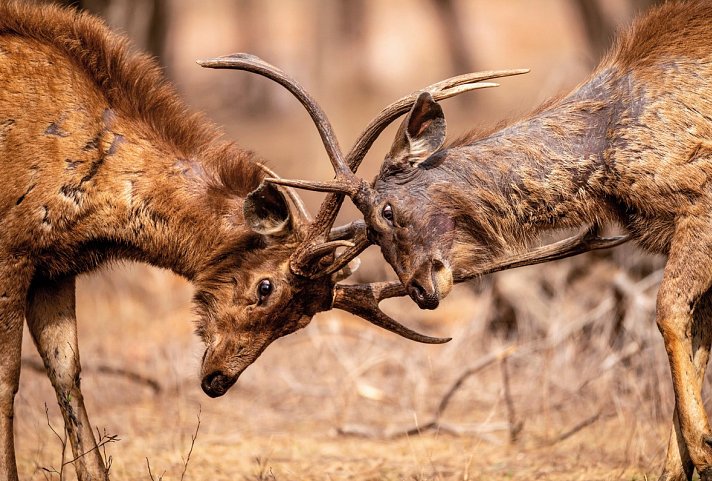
[(362, 300), (252, 63), (347, 183)]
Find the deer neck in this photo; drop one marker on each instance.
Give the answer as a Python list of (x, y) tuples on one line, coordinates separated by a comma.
[(545, 172), (187, 213), (149, 203)]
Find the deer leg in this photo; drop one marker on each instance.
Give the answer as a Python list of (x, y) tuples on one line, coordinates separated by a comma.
[(52, 321), (14, 280), (678, 465), (687, 277)]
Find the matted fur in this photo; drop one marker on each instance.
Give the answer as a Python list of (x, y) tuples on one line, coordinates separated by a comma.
[(632, 145), (133, 84)]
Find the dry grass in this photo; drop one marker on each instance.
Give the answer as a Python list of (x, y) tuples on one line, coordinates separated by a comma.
[(593, 404)]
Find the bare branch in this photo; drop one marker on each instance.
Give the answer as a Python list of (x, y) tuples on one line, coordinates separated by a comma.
[(138, 378), (192, 443), (63, 442), (515, 427)]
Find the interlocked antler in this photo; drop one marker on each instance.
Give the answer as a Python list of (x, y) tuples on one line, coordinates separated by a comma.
[(346, 182), (319, 245), (319, 240)]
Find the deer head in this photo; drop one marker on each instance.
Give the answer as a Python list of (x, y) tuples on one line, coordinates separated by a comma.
[(293, 271), (415, 235)]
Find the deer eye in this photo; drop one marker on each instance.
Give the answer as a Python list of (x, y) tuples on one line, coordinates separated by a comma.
[(264, 289), (387, 213)]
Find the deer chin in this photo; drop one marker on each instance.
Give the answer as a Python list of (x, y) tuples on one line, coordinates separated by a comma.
[(442, 278)]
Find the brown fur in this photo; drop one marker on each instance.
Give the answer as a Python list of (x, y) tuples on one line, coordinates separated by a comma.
[(630, 145), (100, 161)]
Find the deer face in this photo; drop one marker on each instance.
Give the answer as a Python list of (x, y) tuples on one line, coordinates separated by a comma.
[(250, 296), (415, 235), (247, 298), (241, 316)]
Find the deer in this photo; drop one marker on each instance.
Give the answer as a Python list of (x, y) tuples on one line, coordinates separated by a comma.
[(103, 162), (631, 145)]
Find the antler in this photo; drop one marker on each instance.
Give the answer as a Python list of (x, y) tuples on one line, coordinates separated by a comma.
[(315, 245), (362, 300), (321, 239), (586, 241), (347, 183), (252, 63)]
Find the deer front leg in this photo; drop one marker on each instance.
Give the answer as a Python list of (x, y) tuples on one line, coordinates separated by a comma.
[(52, 321), (678, 465), (688, 276), (14, 280)]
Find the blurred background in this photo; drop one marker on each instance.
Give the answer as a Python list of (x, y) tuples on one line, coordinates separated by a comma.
[(555, 371)]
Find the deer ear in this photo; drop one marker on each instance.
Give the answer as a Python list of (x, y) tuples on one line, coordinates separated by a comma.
[(267, 212), (420, 134)]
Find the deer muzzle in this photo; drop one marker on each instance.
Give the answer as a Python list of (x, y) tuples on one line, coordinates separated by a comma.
[(217, 383), (430, 283)]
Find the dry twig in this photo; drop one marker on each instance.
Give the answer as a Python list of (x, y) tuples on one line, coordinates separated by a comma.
[(515, 427), (192, 444)]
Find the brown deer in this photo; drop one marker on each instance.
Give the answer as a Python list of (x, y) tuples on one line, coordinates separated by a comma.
[(631, 145), (101, 161)]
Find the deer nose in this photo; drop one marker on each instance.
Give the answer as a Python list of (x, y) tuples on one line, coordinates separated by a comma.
[(425, 298), (217, 383)]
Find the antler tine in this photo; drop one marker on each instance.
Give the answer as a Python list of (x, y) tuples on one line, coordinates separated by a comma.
[(586, 241), (440, 91), (357, 233), (362, 300), (298, 202), (254, 64)]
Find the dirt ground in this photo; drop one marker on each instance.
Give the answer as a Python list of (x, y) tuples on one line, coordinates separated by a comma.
[(325, 403)]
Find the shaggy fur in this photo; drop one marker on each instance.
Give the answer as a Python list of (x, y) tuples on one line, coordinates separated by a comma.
[(100, 161), (631, 145)]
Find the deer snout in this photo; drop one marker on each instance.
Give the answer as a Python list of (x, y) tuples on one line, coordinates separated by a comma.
[(430, 283), (217, 383)]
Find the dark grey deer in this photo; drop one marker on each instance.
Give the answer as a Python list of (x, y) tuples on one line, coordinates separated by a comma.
[(631, 145)]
